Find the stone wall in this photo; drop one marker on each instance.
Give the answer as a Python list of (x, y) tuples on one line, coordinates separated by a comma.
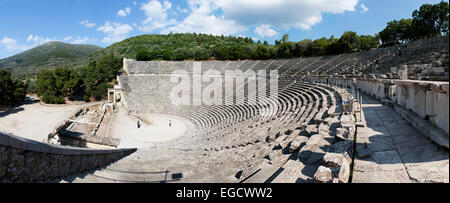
[(424, 104), (23, 160), (53, 137)]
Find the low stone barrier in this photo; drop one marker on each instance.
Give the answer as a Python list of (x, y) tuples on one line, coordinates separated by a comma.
[(24, 160), (424, 104)]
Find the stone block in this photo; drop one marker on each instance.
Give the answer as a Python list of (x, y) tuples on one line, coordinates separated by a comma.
[(343, 147), (419, 106), (17, 142), (4, 139), (344, 170), (431, 107), (336, 160), (323, 175)]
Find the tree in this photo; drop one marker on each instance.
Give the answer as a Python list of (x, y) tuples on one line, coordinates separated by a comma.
[(368, 42), (143, 55), (67, 81), (180, 54), (302, 47), (6, 88), (98, 74), (46, 84), (20, 91), (221, 52), (430, 20), (47, 88), (285, 38), (318, 47), (397, 32), (261, 52), (335, 48), (31, 86), (11, 92), (286, 49), (349, 42), (201, 53)]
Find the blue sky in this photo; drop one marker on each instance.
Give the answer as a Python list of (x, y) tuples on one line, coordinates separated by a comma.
[(28, 23)]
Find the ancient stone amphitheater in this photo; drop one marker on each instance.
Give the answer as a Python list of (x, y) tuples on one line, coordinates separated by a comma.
[(374, 116)]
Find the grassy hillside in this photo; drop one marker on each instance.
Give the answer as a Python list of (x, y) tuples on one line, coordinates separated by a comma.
[(48, 56), (185, 46)]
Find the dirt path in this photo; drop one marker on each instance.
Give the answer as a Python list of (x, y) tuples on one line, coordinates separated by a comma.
[(33, 120)]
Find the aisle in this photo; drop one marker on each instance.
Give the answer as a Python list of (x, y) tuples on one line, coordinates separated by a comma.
[(389, 150)]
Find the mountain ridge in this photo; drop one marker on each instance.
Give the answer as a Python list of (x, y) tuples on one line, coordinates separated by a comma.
[(47, 56)]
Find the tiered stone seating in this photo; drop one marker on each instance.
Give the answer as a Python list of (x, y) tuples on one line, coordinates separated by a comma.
[(280, 139)]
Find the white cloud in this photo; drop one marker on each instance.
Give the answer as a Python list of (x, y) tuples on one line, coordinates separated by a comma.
[(203, 19), (124, 12), (182, 10), (36, 40), (284, 14), (11, 45), (115, 32), (265, 31), (134, 3), (68, 38), (364, 8), (156, 15), (87, 23), (79, 40), (236, 16)]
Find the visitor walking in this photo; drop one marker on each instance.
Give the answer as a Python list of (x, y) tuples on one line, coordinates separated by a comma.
[(138, 124), (170, 123)]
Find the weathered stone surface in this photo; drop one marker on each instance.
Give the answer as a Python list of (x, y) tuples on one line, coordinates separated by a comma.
[(311, 129), (344, 170), (295, 145), (339, 165), (342, 134), (343, 147), (20, 165), (381, 177), (323, 175), (429, 172), (335, 160), (363, 153), (389, 150), (375, 144)]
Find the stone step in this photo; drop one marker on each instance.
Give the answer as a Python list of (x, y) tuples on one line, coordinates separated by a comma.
[(217, 175), (91, 178), (263, 174), (295, 172)]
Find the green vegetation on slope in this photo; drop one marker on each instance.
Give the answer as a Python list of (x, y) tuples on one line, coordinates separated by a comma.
[(429, 21), (178, 47), (11, 92), (90, 82), (47, 56)]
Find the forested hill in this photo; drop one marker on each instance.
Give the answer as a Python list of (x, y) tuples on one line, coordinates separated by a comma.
[(205, 47), (47, 56), (182, 46)]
